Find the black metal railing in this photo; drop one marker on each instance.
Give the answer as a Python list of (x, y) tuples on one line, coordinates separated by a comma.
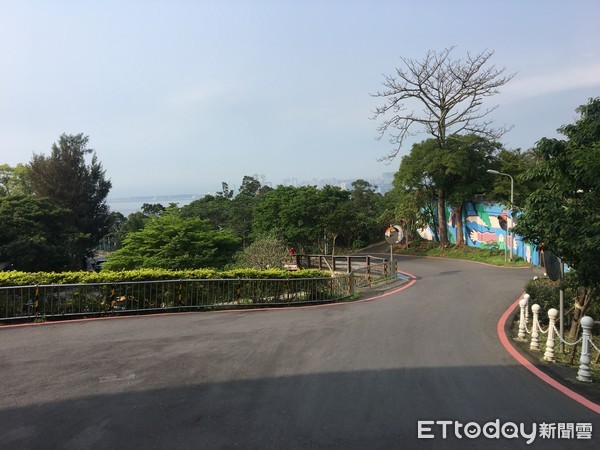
[(338, 264), (76, 300), (22, 302)]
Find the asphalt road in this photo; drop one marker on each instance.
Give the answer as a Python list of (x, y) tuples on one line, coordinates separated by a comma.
[(355, 375)]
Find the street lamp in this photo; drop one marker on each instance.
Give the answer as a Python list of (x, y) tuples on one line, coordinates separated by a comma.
[(512, 187)]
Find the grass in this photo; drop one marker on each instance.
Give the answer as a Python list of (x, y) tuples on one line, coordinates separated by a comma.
[(490, 256), (561, 358)]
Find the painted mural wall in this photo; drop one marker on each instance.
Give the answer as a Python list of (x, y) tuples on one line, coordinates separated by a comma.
[(485, 226)]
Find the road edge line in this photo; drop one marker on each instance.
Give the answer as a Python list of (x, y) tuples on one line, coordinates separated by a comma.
[(532, 368)]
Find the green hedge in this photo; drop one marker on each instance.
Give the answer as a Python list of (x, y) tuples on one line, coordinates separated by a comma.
[(15, 278), (544, 292)]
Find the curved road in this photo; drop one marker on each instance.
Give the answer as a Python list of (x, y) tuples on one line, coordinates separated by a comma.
[(354, 375)]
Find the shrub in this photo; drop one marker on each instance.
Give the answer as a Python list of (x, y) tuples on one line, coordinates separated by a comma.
[(544, 292), (15, 278)]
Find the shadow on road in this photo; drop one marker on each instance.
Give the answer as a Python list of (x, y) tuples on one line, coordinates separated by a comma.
[(365, 409)]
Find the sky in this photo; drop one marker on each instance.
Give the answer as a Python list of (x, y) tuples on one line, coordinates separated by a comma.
[(178, 96)]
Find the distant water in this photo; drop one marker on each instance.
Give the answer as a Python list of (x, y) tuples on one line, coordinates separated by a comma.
[(130, 205)]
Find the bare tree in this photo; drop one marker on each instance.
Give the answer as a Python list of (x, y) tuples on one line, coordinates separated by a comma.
[(447, 95)]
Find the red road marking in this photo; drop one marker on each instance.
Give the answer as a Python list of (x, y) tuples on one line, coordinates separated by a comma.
[(537, 372)]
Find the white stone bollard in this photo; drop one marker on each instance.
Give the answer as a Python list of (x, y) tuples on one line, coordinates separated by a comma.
[(527, 297), (549, 354), (535, 342), (584, 373), (522, 325)]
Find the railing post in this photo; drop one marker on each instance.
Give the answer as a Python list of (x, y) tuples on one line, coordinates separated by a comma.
[(584, 373), (36, 303), (238, 290), (179, 289), (549, 354), (535, 342), (522, 325)]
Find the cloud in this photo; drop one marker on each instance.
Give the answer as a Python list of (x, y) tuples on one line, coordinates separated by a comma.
[(522, 87), (196, 95)]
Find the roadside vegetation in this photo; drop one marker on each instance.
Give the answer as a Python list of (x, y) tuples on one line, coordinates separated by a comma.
[(54, 216), (490, 255)]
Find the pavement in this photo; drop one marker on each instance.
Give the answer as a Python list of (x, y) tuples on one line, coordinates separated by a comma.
[(386, 372)]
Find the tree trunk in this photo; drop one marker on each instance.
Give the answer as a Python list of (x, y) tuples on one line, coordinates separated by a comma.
[(581, 303), (442, 222), (460, 236)]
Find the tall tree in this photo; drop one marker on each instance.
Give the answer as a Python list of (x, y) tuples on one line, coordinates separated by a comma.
[(243, 204), (421, 175), (440, 96), (563, 214), (173, 241), (71, 183), (466, 166), (34, 234), (336, 216), (292, 214), (217, 210), (14, 180), (367, 206), (516, 163)]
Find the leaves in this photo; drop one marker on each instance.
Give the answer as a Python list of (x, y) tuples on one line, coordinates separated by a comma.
[(563, 214), (174, 241)]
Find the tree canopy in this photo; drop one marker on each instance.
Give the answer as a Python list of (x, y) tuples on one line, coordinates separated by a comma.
[(563, 214), (35, 234), (459, 170), (440, 96), (173, 241), (80, 187)]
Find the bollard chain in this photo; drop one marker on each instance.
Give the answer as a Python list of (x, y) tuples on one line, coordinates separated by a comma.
[(594, 345), (566, 342)]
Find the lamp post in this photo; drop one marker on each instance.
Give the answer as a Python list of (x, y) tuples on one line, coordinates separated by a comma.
[(512, 187)]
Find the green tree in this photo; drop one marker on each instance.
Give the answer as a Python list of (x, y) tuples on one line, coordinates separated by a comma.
[(242, 206), (368, 207), (14, 180), (35, 234), (466, 165), (516, 163), (441, 96), (460, 170), (291, 213), (65, 178), (152, 209), (336, 216), (173, 241), (268, 252), (217, 210), (563, 215), (420, 176)]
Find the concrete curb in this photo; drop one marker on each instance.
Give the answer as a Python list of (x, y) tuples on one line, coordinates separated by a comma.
[(544, 372)]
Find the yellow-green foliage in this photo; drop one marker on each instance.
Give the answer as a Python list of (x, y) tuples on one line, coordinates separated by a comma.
[(15, 278)]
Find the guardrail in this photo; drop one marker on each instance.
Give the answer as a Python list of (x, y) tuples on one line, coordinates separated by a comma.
[(65, 300), (584, 373), (337, 263), (79, 300)]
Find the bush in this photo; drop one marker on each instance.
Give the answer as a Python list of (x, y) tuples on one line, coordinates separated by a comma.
[(15, 278), (544, 292)]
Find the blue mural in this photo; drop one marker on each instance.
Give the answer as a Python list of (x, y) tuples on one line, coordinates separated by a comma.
[(487, 226)]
